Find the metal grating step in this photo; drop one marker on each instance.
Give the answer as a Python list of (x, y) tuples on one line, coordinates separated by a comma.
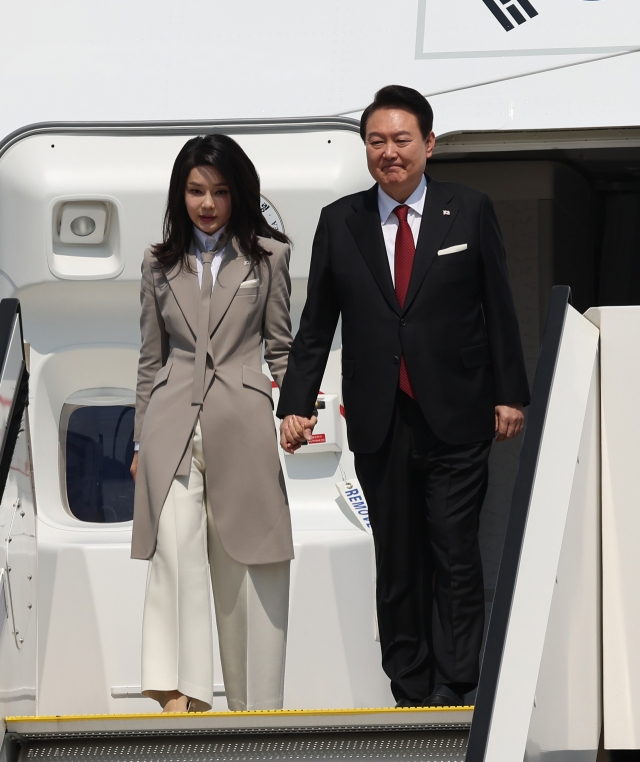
[(432, 746)]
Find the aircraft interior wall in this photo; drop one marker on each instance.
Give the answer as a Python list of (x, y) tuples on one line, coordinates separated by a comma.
[(620, 278)]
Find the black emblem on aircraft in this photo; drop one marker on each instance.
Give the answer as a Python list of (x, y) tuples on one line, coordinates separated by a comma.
[(515, 8)]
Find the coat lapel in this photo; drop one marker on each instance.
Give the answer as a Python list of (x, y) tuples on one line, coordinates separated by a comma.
[(367, 232), (433, 230), (186, 290), (233, 270)]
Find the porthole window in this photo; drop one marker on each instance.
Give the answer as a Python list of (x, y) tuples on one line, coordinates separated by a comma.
[(96, 449)]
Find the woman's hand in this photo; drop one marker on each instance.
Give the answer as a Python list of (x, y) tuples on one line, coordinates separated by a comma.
[(134, 465), (294, 430)]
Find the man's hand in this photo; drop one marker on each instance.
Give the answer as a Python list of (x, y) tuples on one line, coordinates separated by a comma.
[(134, 465), (509, 421), (294, 430)]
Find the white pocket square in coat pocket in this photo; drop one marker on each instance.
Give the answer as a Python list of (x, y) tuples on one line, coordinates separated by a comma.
[(453, 249), (249, 283)]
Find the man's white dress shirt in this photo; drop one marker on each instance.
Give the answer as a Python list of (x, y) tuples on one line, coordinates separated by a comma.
[(390, 223)]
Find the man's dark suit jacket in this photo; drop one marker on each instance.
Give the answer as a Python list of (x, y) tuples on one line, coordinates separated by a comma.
[(457, 330)]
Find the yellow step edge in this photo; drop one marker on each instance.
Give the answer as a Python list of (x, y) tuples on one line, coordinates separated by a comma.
[(254, 713)]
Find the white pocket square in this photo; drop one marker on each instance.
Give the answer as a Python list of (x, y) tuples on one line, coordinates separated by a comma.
[(452, 249), (251, 283)]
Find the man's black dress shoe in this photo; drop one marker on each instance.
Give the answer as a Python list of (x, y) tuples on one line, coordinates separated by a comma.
[(405, 703), (444, 695)]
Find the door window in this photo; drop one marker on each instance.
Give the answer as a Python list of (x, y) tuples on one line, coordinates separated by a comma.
[(96, 452)]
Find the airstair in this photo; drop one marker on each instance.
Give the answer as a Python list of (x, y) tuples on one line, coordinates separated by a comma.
[(386, 734)]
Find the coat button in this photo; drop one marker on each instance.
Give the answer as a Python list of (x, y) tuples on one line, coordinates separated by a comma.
[(396, 360), (403, 323)]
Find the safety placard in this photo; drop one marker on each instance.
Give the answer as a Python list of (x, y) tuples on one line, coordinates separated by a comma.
[(354, 498)]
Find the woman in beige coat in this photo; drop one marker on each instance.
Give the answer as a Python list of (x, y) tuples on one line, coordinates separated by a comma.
[(209, 487)]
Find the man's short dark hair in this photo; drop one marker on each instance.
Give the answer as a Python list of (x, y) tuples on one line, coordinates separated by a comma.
[(405, 98)]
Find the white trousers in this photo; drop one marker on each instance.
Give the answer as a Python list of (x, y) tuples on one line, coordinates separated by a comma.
[(251, 605)]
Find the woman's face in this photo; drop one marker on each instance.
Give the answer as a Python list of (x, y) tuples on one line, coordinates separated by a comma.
[(208, 199)]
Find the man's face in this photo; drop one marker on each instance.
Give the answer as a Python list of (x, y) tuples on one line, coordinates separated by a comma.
[(397, 152)]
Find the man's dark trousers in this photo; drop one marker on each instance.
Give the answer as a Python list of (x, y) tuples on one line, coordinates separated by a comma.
[(424, 499)]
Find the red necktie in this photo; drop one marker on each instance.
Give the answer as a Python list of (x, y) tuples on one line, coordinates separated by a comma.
[(403, 264)]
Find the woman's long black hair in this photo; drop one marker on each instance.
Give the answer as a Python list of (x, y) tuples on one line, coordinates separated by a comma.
[(246, 223)]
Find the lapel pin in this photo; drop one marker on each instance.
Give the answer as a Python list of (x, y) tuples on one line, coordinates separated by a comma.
[(446, 211)]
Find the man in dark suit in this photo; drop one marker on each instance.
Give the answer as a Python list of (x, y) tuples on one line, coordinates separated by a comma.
[(433, 370)]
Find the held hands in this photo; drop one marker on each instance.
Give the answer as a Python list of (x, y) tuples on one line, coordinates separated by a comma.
[(509, 421), (294, 430)]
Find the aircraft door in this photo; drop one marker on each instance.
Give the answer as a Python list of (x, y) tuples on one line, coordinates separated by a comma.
[(78, 207)]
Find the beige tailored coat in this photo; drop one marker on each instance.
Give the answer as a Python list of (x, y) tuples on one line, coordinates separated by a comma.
[(249, 304)]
